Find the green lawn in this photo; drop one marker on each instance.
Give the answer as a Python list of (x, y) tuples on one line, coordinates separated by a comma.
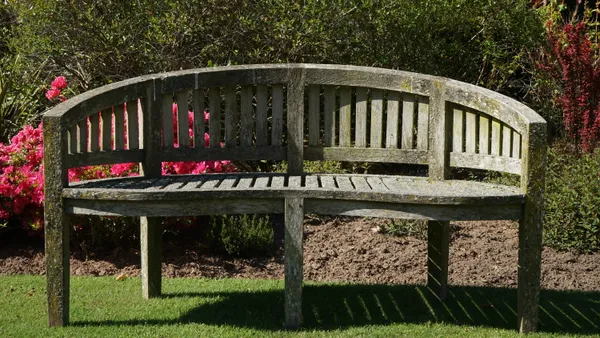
[(104, 307)]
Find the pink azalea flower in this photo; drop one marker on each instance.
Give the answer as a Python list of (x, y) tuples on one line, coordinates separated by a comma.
[(59, 82), (51, 94)]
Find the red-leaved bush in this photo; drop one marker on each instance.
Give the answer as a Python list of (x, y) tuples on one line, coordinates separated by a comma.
[(571, 62), (21, 170)]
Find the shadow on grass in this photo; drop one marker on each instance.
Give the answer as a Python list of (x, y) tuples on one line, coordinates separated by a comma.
[(340, 306)]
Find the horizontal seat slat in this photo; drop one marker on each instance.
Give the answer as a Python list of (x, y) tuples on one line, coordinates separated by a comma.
[(376, 188)]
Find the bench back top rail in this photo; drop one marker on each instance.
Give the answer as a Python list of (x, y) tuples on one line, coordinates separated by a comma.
[(294, 112)]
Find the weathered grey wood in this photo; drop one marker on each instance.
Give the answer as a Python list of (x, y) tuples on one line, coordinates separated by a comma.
[(343, 182), (133, 125), (418, 190), (486, 162), (83, 136), (183, 137), (345, 116), (199, 129), (496, 136), (329, 115), (391, 133), (107, 131), (506, 145), (411, 211), (408, 121), (457, 131), (295, 182), (214, 104), (109, 157), (153, 107), (167, 120), (360, 128), (228, 182), (246, 121), (95, 133), (360, 183), (277, 112), (484, 135), (262, 105), (73, 139), (438, 248), (376, 183), (376, 118), (295, 123), (327, 182), (530, 226), (230, 117), (244, 183), (314, 117), (470, 132), (150, 252), (440, 121), (262, 182), (312, 181), (423, 125), (119, 127), (516, 145), (293, 256), (366, 155), (56, 222)]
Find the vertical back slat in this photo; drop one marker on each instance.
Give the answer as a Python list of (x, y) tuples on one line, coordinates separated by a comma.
[(516, 145), (133, 125), (471, 132), (496, 138), (376, 118), (246, 130), (313, 115), (329, 115), (73, 140), (484, 135), (457, 131), (119, 127), (408, 123), (183, 136), (391, 133), (262, 106), (230, 117), (107, 129), (94, 132), (361, 118), (214, 104), (198, 105), (345, 118), (506, 147), (423, 125), (277, 111), (83, 135), (167, 120)]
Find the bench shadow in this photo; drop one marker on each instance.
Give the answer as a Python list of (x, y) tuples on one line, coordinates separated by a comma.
[(329, 307)]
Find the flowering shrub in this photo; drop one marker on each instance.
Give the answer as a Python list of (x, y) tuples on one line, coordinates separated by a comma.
[(21, 170), (572, 62)]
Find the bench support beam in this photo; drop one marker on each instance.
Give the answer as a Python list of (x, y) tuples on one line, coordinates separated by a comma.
[(151, 246), (438, 247), (294, 217), (529, 272), (57, 228)]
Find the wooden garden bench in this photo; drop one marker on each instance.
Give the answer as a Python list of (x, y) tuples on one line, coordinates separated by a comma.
[(293, 113)]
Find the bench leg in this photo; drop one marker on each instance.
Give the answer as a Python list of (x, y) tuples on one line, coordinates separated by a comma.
[(438, 246), (530, 262), (56, 232), (151, 244), (294, 217)]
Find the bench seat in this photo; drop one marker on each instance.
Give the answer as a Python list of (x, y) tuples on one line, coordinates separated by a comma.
[(390, 196)]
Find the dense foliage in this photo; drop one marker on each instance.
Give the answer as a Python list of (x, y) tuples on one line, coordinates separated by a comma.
[(572, 219)]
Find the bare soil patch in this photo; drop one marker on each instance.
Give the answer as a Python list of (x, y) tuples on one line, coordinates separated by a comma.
[(343, 249)]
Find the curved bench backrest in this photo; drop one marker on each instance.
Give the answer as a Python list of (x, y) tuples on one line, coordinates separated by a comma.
[(294, 112)]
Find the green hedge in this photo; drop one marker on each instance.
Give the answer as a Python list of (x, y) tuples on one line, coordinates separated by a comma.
[(480, 41), (572, 216)]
